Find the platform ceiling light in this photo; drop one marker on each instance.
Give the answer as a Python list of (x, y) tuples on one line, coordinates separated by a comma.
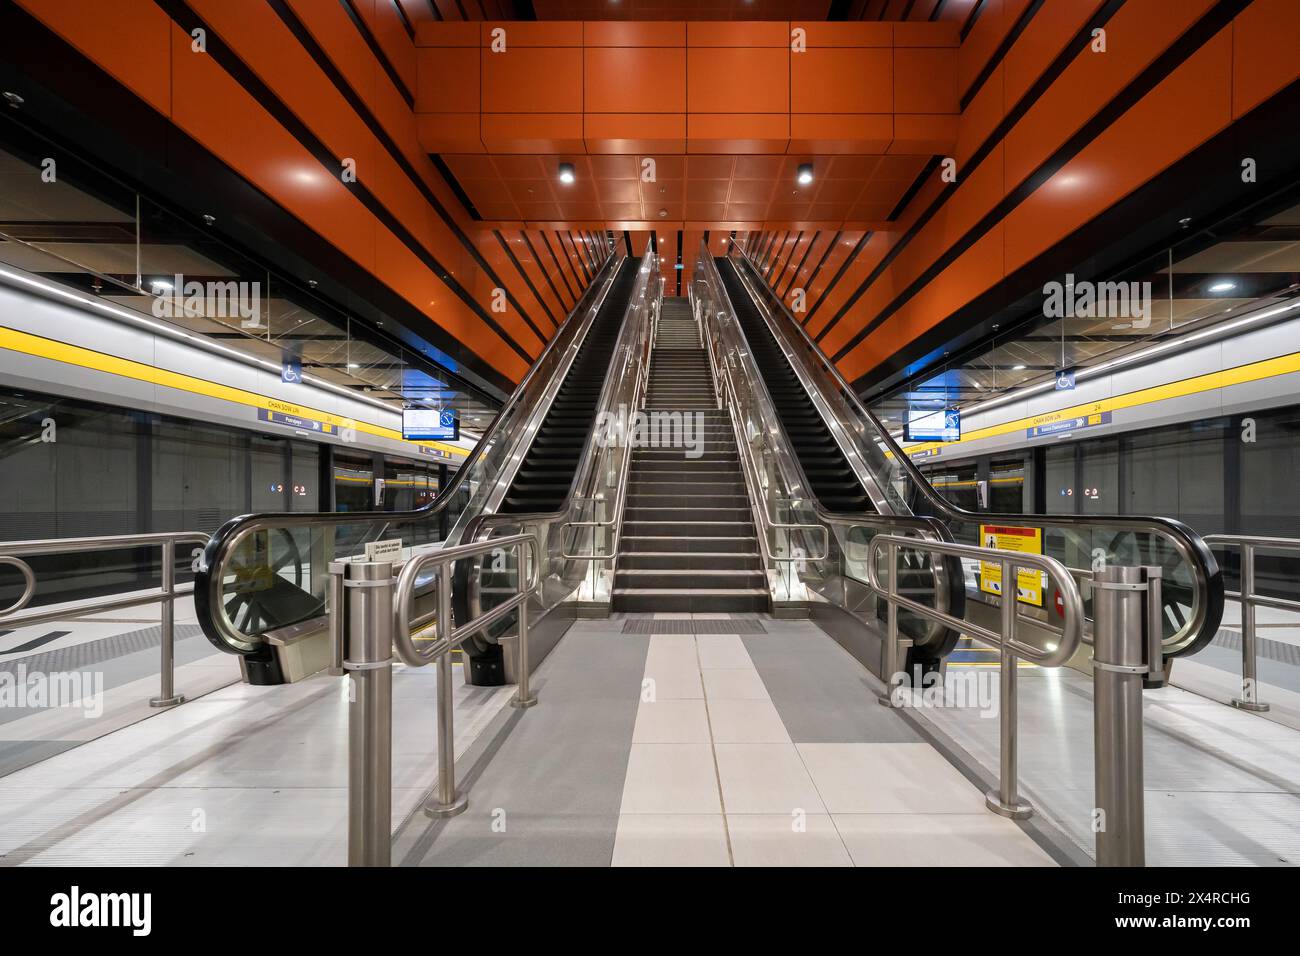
[(160, 285), (805, 174), (1223, 286), (566, 173), (1017, 368)]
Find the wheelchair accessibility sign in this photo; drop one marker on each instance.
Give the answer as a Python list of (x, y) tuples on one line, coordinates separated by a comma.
[(1029, 583)]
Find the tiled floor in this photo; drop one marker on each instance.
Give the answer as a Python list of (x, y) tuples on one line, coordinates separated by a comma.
[(714, 777)]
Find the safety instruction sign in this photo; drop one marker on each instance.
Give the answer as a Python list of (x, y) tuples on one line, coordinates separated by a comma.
[(1030, 584)]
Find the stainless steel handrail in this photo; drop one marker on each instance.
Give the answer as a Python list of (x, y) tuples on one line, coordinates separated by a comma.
[(1006, 799), (728, 336), (1250, 600), (1207, 593), (483, 524), (641, 355), (12, 553), (210, 578), (365, 627)]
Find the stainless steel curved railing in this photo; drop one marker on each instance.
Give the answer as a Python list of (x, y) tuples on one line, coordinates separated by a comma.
[(1193, 584), (265, 571)]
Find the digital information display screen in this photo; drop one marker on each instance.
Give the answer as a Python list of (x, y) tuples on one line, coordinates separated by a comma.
[(424, 424), (932, 424)]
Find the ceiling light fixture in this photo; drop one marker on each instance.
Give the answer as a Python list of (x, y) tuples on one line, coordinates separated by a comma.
[(805, 174), (1223, 286), (566, 173)]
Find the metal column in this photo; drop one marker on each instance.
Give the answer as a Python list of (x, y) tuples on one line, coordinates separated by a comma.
[(368, 643), (1118, 638), (167, 696)]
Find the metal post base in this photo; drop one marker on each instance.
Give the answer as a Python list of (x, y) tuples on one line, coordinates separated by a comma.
[(166, 701), (441, 811), (1251, 705), (519, 704), (1021, 810)]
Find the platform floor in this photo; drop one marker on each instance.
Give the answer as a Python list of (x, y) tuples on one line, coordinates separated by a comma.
[(713, 749), (113, 659), (765, 747)]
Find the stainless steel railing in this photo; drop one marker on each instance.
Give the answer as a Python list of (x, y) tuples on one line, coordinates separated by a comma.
[(372, 612), (1250, 600), (1123, 625), (12, 553)]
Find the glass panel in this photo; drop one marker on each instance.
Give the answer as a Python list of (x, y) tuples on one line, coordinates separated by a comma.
[(1007, 486)]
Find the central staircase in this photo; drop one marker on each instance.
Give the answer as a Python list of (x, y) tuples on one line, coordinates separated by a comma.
[(688, 541)]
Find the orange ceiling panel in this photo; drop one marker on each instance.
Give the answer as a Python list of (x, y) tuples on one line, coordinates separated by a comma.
[(740, 80), (844, 80), (542, 80), (635, 80)]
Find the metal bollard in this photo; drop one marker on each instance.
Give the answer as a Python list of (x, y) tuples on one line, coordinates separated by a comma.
[(523, 698), (167, 696), (1005, 801), (1249, 699), (1118, 635), (368, 642), (446, 802)]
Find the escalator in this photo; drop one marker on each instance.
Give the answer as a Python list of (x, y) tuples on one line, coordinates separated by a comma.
[(263, 580), (834, 437), (547, 472), (829, 473)]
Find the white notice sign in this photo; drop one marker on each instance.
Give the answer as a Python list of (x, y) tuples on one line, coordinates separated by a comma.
[(390, 550)]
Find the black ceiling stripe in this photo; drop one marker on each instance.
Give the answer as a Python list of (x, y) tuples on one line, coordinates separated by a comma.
[(971, 18), (524, 275), (802, 260), (1127, 235), (332, 73), (585, 279), (574, 260), (264, 231), (454, 185), (926, 171), (774, 254), (938, 8), (406, 21), (1000, 53), (1077, 43), (541, 267), (181, 13), (589, 244), (812, 279), (627, 242), (907, 10), (767, 251), (546, 241), (788, 260), (1177, 53), (839, 274), (378, 53), (461, 7), (433, 9)]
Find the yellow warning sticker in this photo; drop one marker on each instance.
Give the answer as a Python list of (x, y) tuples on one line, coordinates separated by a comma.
[(1029, 583)]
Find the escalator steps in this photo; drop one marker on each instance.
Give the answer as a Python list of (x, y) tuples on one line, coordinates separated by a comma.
[(544, 477), (829, 473)]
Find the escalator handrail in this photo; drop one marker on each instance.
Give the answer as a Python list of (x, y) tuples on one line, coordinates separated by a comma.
[(209, 579), (951, 592), (1208, 587), (482, 524)]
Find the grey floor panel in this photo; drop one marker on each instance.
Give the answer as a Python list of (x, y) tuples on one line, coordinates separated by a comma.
[(547, 790), (820, 691)]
